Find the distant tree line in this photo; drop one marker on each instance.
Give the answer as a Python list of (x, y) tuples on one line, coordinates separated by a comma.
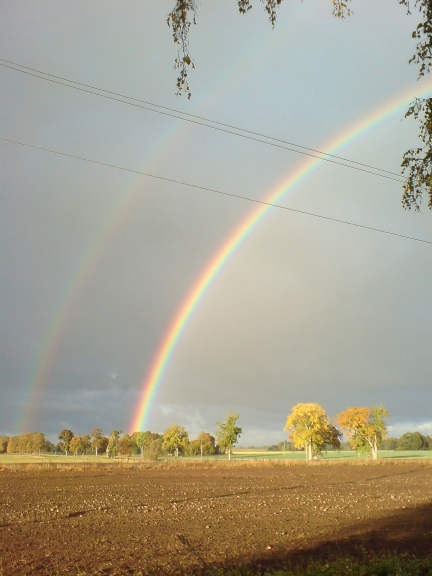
[(309, 430), (149, 445), (30, 443), (408, 441)]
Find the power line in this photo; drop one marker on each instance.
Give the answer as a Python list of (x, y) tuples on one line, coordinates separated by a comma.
[(214, 191), (201, 121)]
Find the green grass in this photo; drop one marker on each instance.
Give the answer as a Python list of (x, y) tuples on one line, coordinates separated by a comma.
[(346, 454), (238, 455), (386, 565), (382, 565), (44, 458)]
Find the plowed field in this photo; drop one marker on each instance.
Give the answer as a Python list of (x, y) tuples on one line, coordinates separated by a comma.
[(184, 519)]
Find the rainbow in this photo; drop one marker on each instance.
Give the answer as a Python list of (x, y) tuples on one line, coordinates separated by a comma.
[(119, 211), (225, 252), (64, 311)]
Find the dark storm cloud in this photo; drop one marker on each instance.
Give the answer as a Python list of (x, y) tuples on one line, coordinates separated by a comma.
[(95, 263)]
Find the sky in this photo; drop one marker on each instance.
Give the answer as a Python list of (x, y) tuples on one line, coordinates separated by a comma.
[(95, 262)]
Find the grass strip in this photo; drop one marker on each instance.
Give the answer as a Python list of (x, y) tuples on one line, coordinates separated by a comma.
[(384, 565)]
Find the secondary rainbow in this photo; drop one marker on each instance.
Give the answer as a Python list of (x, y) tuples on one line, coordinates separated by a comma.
[(78, 277), (239, 235)]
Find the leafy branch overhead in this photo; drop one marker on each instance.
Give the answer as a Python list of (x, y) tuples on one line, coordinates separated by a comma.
[(184, 14), (417, 162), (180, 19)]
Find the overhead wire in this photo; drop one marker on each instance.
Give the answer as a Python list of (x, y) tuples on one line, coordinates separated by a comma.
[(220, 192), (202, 121)]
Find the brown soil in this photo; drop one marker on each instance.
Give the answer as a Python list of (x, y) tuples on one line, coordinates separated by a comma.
[(184, 519)]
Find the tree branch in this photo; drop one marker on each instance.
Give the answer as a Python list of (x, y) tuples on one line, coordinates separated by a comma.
[(180, 20)]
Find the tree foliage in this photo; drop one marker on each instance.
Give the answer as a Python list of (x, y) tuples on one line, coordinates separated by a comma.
[(390, 443), (227, 434), (365, 427), (10, 449), (98, 441), (417, 162), (141, 440), (80, 444), (309, 428), (113, 441), (175, 440), (29, 443), (38, 442), (65, 436), (413, 441), (125, 445), (184, 15), (205, 442), (149, 444), (154, 448), (4, 440)]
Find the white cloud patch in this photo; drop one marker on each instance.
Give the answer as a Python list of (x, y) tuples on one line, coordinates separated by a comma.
[(397, 429)]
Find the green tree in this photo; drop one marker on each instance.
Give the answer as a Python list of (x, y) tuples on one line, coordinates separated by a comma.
[(405, 441), (388, 444), (20, 443), (309, 428), (11, 447), (98, 440), (175, 439), (417, 162), (142, 440), (103, 445), (227, 434), (65, 436), (365, 427), (412, 441), (204, 444), (113, 441), (154, 448), (80, 444), (286, 446), (4, 440), (148, 442), (49, 446), (419, 441), (86, 444)]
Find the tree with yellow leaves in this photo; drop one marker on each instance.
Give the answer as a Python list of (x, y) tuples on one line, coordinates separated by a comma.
[(79, 444), (365, 427), (310, 429), (175, 439)]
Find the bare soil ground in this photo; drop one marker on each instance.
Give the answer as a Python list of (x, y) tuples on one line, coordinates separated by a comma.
[(181, 519)]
